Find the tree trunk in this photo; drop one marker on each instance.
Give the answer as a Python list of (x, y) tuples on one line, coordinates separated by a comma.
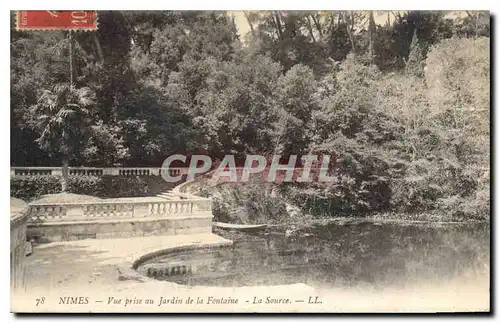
[(277, 22), (249, 23), (349, 31), (70, 36), (65, 174), (309, 26), (371, 33), (98, 47), (318, 26)]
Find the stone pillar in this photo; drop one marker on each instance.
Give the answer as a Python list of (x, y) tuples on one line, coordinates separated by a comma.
[(74, 211), (56, 171), (111, 171), (141, 210)]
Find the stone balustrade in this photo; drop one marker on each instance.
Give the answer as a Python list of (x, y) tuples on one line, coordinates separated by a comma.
[(116, 209), (97, 171), (118, 218)]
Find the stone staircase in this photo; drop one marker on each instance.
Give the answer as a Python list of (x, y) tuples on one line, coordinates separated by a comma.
[(185, 190), (168, 195)]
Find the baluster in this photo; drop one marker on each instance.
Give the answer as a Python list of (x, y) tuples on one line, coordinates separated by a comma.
[(99, 210)]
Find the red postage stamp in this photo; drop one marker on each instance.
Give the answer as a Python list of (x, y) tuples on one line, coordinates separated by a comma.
[(56, 20)]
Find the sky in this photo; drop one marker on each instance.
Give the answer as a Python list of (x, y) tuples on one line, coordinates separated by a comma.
[(380, 19)]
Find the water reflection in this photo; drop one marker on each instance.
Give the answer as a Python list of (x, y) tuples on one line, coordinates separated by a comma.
[(378, 255)]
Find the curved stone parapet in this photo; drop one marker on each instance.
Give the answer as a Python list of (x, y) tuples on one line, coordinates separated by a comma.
[(18, 228), (184, 190)]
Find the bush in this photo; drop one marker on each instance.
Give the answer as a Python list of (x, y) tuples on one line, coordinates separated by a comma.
[(458, 74), (30, 188), (247, 204)]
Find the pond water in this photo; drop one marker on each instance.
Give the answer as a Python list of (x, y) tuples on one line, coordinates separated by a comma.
[(333, 255)]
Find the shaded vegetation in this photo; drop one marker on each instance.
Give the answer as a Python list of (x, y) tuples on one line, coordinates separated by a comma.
[(402, 107)]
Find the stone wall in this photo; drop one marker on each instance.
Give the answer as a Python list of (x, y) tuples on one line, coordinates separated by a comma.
[(118, 218), (18, 232), (124, 228)]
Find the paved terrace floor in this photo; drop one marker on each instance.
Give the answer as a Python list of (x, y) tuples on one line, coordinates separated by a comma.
[(101, 270), (100, 262)]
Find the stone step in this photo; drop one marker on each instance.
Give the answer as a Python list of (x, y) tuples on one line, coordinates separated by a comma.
[(167, 195)]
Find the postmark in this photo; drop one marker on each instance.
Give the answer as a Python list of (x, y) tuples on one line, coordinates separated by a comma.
[(85, 20)]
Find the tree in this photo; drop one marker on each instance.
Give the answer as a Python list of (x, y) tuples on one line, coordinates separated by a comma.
[(62, 118), (474, 24), (295, 103), (415, 62)]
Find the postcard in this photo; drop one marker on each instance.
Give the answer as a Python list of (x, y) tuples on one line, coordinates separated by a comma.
[(250, 161)]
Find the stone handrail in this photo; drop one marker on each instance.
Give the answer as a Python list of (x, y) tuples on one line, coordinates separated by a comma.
[(182, 190), (97, 171), (113, 210)]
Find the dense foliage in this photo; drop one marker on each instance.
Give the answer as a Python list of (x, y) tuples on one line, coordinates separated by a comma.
[(30, 188), (403, 106)]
